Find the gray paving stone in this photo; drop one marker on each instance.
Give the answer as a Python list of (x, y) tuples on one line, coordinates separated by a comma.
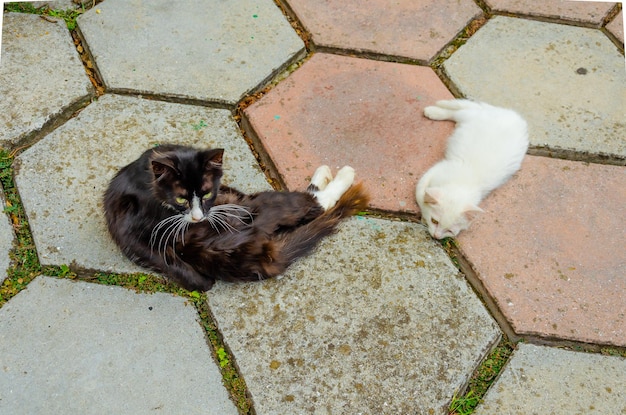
[(215, 52), (79, 348), (62, 178), (569, 82), (544, 380), (7, 238), (58, 4), (377, 321), (41, 76)]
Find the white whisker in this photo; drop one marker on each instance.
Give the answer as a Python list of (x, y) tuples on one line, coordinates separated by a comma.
[(169, 227), (158, 227), (219, 214)]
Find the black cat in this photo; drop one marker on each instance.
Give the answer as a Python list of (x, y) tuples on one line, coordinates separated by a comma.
[(168, 212)]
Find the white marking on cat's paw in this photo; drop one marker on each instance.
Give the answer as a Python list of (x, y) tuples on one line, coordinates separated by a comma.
[(436, 113), (322, 177), (328, 197)]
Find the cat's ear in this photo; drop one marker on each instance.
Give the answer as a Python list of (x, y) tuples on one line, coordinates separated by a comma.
[(213, 158), (162, 165), (471, 211), (431, 196)]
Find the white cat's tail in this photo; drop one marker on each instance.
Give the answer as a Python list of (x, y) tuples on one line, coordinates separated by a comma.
[(446, 109)]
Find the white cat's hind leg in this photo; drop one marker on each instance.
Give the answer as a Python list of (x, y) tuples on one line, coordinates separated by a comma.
[(329, 196)]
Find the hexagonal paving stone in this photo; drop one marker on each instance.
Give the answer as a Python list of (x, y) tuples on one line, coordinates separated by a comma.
[(414, 29), (58, 4), (592, 12), (338, 110), (78, 348), (62, 178), (543, 380), (569, 82), (376, 321), (215, 52), (616, 26), (41, 76), (550, 250)]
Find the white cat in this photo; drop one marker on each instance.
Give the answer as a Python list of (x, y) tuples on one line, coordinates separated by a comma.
[(484, 151)]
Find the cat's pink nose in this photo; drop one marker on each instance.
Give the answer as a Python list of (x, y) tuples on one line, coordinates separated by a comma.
[(196, 215)]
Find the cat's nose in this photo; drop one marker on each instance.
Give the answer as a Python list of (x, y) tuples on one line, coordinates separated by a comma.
[(196, 215)]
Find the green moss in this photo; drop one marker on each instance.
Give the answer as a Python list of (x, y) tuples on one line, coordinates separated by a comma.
[(68, 15), (24, 261), (482, 379)]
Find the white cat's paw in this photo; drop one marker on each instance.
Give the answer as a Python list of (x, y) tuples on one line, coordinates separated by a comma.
[(322, 177), (436, 113)]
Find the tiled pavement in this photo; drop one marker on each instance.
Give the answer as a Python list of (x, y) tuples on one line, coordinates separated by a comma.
[(378, 320)]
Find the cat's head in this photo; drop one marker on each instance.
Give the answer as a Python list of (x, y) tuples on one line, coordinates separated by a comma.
[(187, 180), (446, 213)]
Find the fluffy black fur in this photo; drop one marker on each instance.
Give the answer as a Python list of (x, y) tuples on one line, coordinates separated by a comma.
[(148, 208)]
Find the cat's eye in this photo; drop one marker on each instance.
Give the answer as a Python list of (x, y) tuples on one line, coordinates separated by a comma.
[(434, 221), (182, 201), (207, 196)]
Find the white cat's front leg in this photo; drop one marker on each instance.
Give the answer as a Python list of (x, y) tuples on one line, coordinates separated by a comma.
[(329, 196), (437, 113)]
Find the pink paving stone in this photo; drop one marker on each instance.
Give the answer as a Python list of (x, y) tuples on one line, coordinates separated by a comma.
[(616, 26), (415, 29), (550, 250), (580, 11), (338, 110)]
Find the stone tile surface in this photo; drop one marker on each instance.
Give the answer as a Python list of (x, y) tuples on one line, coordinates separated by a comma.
[(550, 250), (340, 111), (377, 321), (59, 4), (7, 238), (62, 178), (415, 29), (79, 348), (36, 85), (543, 380), (213, 53), (616, 26), (569, 82), (578, 11)]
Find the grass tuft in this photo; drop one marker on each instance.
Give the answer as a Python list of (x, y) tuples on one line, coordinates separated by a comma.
[(24, 261), (482, 379), (68, 15)]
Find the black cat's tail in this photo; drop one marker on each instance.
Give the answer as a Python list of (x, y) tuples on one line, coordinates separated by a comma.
[(305, 238)]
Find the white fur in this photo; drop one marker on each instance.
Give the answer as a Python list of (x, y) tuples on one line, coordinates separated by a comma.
[(484, 151), (329, 189), (196, 214)]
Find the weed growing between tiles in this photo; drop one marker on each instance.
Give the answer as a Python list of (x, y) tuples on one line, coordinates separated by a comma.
[(457, 42), (24, 261), (69, 15), (482, 379)]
